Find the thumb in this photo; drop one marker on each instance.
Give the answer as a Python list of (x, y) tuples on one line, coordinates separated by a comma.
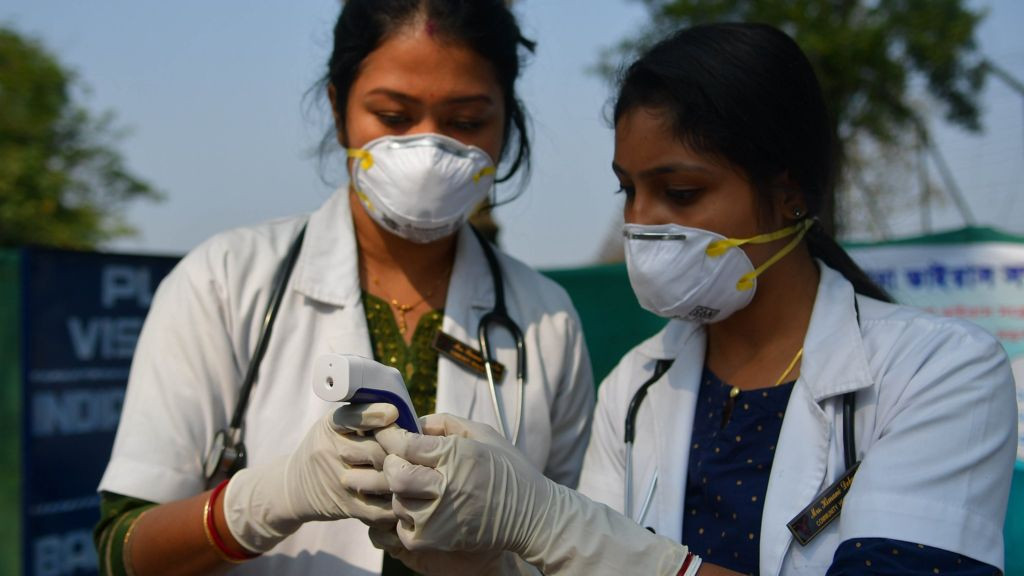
[(363, 417), (412, 447)]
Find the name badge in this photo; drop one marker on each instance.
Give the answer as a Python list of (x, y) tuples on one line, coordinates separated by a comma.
[(466, 356), (823, 510)]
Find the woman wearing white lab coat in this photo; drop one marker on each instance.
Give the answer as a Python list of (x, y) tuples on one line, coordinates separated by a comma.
[(425, 107), (931, 432), (724, 153)]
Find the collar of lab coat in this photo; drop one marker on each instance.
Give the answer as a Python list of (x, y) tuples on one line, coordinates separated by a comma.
[(328, 271), (834, 363), (834, 360), (328, 266), (470, 296), (833, 327), (808, 454)]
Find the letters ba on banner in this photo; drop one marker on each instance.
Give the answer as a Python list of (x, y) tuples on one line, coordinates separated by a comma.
[(976, 274), (81, 316)]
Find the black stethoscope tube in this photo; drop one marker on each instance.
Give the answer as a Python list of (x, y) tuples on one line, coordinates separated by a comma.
[(227, 454), (662, 366), (499, 316), (276, 297)]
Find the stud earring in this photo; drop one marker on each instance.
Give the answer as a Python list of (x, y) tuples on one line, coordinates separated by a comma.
[(797, 212)]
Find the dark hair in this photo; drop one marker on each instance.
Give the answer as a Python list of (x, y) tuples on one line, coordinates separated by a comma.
[(747, 94), (486, 26)]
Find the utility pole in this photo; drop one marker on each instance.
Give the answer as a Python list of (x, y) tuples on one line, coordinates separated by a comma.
[(1002, 74)]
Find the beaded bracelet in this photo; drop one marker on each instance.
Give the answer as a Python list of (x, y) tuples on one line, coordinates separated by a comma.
[(690, 565), (214, 537)]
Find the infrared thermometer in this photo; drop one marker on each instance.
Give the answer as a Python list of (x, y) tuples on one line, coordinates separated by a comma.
[(358, 380)]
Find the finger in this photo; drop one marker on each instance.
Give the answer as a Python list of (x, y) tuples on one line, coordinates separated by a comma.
[(385, 539), (415, 448), (366, 482), (448, 425), (406, 512), (412, 480), (360, 451), (374, 511), (413, 516), (406, 532), (363, 417), (442, 425)]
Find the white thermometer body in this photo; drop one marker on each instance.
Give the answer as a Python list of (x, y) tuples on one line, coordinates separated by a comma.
[(358, 380)]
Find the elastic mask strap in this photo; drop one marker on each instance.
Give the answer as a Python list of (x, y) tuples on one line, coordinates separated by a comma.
[(364, 157), (746, 282), (484, 172), (362, 197)]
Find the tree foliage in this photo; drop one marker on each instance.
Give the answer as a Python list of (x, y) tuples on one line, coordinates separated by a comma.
[(875, 59), (62, 182)]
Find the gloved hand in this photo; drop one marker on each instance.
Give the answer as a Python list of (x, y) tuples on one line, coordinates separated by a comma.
[(438, 563), (335, 473), (464, 487)]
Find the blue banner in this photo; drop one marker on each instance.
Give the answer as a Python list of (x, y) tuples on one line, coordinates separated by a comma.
[(81, 316)]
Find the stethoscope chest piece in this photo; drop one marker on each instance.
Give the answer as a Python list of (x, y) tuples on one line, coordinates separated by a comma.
[(225, 457)]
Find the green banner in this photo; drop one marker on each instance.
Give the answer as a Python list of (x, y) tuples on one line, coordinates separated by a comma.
[(10, 412), (613, 321)]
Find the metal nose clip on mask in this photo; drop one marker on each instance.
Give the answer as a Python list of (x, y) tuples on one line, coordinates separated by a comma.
[(694, 274), (420, 187)]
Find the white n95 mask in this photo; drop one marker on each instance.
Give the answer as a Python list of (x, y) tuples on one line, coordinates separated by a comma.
[(694, 274), (420, 187)]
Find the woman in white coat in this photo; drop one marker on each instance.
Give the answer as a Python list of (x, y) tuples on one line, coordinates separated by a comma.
[(789, 419), (424, 101)]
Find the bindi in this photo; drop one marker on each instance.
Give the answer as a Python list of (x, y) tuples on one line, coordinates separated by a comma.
[(430, 27)]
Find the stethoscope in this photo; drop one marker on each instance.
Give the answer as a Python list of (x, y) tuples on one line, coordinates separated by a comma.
[(499, 316), (660, 368), (227, 451), (227, 454)]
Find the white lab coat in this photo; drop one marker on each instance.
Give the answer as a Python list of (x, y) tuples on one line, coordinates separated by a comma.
[(202, 328), (935, 432)]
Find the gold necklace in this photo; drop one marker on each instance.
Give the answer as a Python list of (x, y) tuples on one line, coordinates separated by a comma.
[(403, 309), (735, 391), (792, 363)]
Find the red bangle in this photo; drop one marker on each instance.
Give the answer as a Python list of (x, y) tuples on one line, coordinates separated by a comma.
[(686, 564), (214, 537), (690, 565)]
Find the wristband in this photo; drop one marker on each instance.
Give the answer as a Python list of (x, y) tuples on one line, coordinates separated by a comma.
[(214, 537)]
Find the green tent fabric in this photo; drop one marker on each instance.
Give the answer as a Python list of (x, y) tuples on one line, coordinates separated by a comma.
[(613, 321), (967, 235), (1013, 530)]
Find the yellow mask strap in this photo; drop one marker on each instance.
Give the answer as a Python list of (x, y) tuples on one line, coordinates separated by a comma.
[(719, 247), (484, 172), (364, 157), (746, 282), (362, 197)]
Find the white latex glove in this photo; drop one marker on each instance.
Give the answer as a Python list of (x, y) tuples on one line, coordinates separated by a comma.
[(335, 473), (464, 487)]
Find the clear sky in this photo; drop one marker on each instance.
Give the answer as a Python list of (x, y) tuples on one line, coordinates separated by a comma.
[(214, 95)]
